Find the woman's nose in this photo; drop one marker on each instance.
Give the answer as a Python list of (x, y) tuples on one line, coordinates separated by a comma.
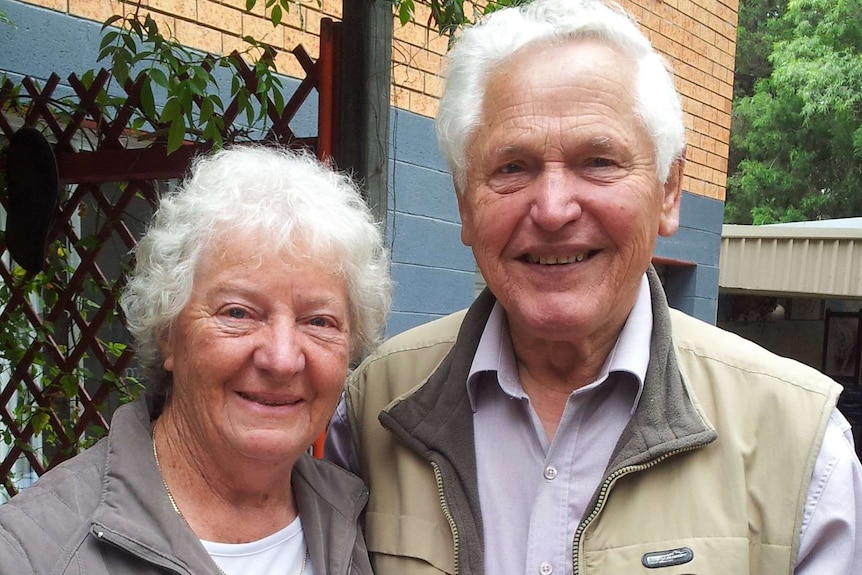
[(280, 348)]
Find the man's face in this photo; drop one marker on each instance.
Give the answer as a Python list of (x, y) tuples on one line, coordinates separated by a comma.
[(562, 206)]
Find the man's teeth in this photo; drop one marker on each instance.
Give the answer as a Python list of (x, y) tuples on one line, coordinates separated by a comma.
[(555, 260)]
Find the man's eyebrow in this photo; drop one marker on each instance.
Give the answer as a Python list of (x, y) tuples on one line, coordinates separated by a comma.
[(601, 143), (508, 150)]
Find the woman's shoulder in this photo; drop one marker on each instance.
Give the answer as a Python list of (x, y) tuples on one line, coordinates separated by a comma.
[(54, 513)]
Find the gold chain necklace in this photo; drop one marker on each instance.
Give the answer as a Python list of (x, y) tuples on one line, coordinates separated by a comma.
[(183, 517)]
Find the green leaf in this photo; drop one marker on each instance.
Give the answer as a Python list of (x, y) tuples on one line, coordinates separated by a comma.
[(120, 67), (39, 421), (111, 21), (275, 15), (171, 110), (405, 12), (69, 385), (249, 5), (176, 134), (129, 43), (278, 100), (148, 101), (107, 39), (206, 109), (158, 76)]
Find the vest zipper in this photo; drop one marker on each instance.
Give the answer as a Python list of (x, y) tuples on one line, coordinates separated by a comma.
[(603, 494), (456, 540)]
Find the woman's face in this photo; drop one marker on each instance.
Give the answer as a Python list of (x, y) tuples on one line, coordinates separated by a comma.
[(260, 352)]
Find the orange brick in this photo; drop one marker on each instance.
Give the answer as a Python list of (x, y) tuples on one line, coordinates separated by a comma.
[(219, 16), (56, 5), (287, 64), (423, 105), (296, 17), (407, 77), (400, 97), (98, 10), (240, 5), (434, 85), (177, 8), (411, 33), (199, 37), (261, 30), (331, 8), (294, 37)]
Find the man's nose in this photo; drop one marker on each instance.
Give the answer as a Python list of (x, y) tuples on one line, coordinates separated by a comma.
[(556, 199), (279, 348)]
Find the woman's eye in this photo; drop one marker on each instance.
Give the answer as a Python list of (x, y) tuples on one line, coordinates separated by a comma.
[(320, 322)]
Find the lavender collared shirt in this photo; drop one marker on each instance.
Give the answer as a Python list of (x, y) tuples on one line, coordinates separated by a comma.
[(534, 491)]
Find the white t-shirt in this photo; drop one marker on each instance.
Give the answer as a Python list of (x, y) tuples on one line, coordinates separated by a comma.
[(273, 554)]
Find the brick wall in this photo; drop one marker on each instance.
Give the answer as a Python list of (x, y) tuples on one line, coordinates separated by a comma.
[(698, 36)]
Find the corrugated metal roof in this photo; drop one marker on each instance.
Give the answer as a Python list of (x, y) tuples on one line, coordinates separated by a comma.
[(820, 259)]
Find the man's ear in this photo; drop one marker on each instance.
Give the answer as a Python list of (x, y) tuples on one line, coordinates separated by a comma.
[(672, 196), (466, 213)]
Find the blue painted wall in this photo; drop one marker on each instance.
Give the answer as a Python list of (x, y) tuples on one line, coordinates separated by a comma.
[(433, 271), (694, 289)]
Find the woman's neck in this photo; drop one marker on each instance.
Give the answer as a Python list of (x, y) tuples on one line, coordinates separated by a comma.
[(222, 497)]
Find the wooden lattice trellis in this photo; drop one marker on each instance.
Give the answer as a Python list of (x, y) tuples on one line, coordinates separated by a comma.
[(72, 367)]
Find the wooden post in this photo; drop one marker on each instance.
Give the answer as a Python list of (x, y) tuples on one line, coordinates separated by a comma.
[(362, 94)]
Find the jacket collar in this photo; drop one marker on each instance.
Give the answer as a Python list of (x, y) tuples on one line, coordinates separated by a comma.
[(135, 513), (666, 419)]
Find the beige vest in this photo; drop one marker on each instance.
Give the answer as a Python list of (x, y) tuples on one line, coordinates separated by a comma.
[(734, 505)]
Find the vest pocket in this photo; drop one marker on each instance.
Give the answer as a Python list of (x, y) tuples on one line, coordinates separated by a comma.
[(694, 556), (412, 539)]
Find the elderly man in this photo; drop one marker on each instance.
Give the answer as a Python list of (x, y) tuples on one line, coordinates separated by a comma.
[(569, 421)]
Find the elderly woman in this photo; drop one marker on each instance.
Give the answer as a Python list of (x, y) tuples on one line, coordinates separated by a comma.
[(258, 282)]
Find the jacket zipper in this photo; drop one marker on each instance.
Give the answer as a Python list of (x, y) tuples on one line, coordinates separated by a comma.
[(603, 493), (121, 543), (456, 540)]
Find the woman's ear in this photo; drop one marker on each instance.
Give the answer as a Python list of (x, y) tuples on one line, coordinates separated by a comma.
[(167, 350)]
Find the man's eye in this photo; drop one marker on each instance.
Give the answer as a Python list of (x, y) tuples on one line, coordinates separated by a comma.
[(237, 313), (511, 168), (602, 163)]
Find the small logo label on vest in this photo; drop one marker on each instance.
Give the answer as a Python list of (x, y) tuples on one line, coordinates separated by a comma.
[(668, 558)]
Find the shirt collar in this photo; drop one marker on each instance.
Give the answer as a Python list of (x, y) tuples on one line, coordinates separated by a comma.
[(630, 353)]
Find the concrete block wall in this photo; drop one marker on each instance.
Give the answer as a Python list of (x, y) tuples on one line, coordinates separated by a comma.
[(694, 289), (434, 273)]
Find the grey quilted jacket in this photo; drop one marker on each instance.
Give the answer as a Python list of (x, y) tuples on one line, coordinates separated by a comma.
[(106, 512)]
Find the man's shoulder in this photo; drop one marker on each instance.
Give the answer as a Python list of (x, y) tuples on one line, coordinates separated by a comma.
[(405, 360), (439, 332), (700, 342)]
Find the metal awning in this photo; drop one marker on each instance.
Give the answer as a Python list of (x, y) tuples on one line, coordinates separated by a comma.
[(804, 259)]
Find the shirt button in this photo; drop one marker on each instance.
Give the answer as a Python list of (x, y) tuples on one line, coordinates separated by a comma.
[(550, 474), (545, 568)]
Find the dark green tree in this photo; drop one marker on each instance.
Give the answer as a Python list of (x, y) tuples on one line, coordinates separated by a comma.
[(796, 138)]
